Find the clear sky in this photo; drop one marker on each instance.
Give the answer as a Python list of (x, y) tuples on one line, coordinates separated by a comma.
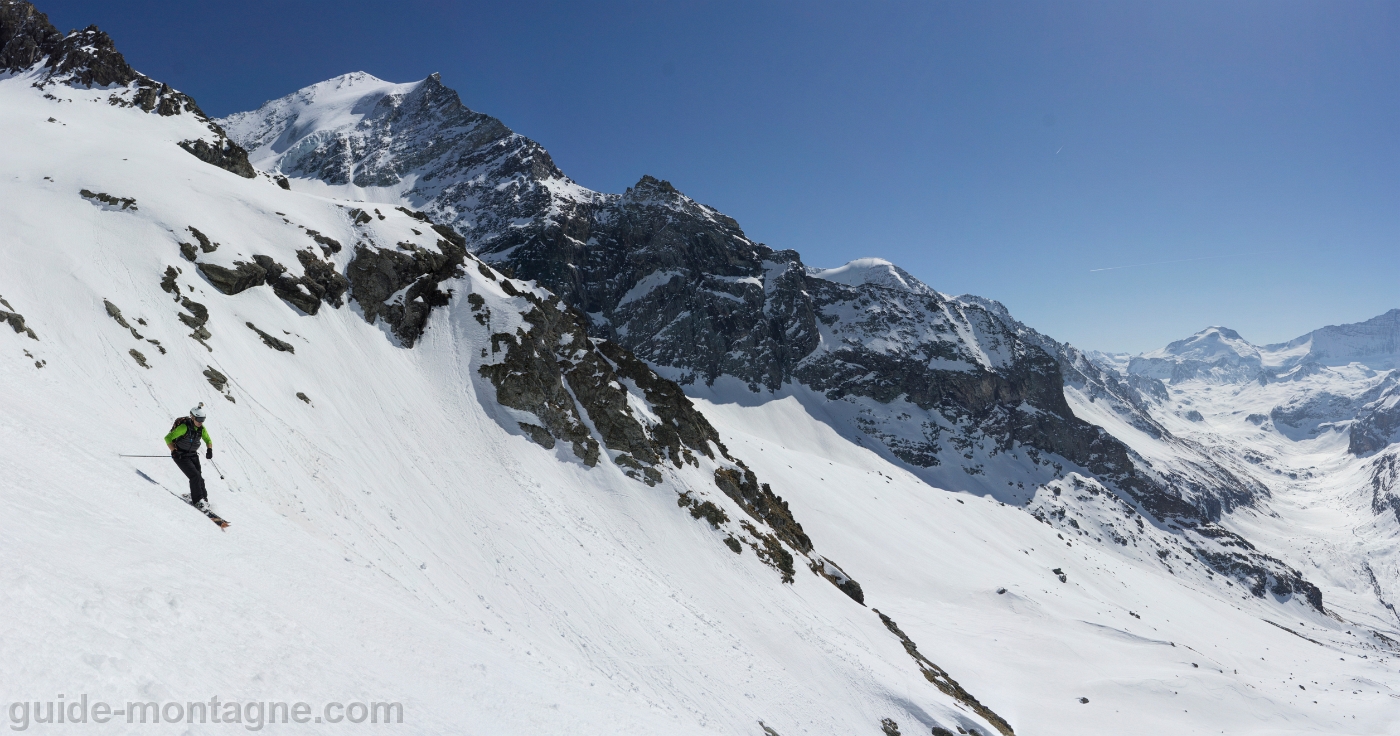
[(1006, 149)]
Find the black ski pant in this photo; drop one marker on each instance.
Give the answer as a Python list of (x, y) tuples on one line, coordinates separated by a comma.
[(189, 464)]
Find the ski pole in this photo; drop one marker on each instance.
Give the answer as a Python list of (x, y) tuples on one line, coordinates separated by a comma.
[(216, 470), (121, 455)]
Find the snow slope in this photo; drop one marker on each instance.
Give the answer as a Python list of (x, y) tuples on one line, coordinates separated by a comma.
[(1152, 651), (395, 537)]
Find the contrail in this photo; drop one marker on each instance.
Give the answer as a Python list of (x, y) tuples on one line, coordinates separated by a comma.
[(1182, 260)]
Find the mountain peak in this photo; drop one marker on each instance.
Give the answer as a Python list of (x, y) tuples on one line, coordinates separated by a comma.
[(87, 57), (875, 271), (1216, 353), (1209, 344), (651, 186)]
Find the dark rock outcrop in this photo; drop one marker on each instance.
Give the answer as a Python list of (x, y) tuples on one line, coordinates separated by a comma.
[(16, 323), (294, 290), (222, 153), (940, 678), (322, 280), (103, 198), (197, 316), (115, 313), (376, 275), (231, 281), (271, 340), (167, 282), (205, 244)]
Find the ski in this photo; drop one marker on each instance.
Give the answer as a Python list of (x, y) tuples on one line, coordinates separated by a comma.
[(212, 516)]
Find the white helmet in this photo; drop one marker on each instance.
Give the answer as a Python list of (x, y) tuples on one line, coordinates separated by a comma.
[(198, 412)]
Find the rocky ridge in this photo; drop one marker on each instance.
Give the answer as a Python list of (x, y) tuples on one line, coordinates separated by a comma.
[(940, 384), (88, 58)]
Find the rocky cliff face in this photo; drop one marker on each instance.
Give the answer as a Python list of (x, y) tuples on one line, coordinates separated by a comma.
[(936, 381), (412, 142), (1377, 424), (956, 389)]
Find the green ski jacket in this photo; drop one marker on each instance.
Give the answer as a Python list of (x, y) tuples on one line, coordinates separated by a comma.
[(190, 444)]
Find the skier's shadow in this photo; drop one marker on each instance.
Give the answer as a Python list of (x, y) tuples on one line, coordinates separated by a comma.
[(147, 477)]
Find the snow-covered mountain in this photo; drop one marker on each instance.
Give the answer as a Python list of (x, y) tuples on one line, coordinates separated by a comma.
[(1317, 420), (528, 458), (953, 390), (359, 137)]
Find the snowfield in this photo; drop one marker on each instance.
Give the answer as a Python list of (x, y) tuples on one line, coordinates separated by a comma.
[(397, 537)]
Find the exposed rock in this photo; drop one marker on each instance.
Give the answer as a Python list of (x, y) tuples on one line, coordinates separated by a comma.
[(104, 198), (216, 379), (328, 244), (531, 378), (706, 510), (196, 319), (116, 314), (378, 274), (771, 552), (270, 341), (16, 322), (204, 243), (322, 280), (302, 396), (838, 577), (292, 289), (741, 484), (167, 282), (888, 727), (936, 675), (1385, 485), (222, 153), (234, 280), (138, 357)]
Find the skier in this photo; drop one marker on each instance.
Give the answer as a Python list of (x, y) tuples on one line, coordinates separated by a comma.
[(183, 441)]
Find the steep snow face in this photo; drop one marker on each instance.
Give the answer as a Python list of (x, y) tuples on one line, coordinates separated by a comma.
[(877, 271), (360, 138), (491, 573), (1374, 343), (337, 105), (1215, 353)]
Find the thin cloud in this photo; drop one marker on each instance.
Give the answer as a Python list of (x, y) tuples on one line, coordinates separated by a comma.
[(1179, 260)]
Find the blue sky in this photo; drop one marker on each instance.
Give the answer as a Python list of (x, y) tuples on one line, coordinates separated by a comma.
[(1002, 149)]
